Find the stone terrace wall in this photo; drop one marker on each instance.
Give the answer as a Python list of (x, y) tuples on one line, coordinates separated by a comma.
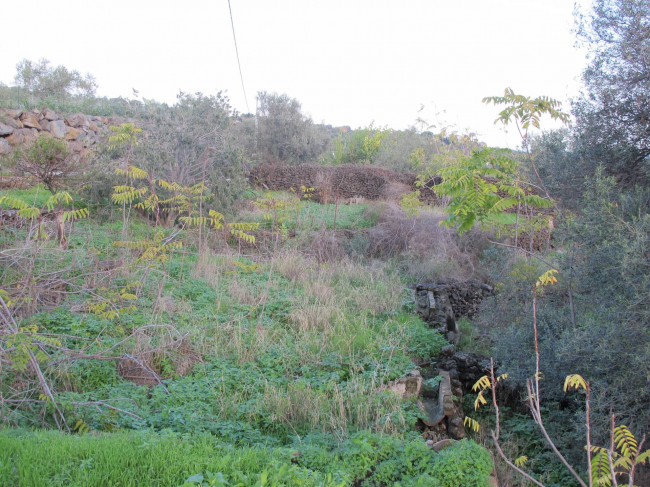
[(81, 131), (343, 182)]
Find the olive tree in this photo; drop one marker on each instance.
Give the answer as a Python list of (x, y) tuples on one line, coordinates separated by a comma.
[(284, 133), (42, 79), (613, 115)]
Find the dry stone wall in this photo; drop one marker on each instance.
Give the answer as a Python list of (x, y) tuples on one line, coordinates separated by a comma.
[(346, 182), (19, 127)]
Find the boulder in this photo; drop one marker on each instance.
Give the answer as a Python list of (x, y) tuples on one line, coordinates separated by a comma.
[(22, 136), (50, 115), (434, 307), (407, 386), (12, 122), (72, 133), (11, 113), (465, 367), (77, 120), (58, 128), (5, 129), (443, 415), (30, 120)]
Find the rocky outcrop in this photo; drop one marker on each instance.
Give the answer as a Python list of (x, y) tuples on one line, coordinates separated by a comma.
[(345, 182)]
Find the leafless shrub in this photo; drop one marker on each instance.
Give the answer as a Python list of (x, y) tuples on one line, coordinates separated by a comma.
[(325, 246), (424, 247)]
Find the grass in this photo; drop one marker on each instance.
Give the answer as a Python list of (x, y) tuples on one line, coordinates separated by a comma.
[(295, 215), (258, 354), (167, 459), (35, 196)]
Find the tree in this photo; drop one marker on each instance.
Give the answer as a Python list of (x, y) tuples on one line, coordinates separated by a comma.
[(41, 79), (526, 113), (482, 188), (188, 143), (284, 133), (48, 160), (613, 116), (359, 146)]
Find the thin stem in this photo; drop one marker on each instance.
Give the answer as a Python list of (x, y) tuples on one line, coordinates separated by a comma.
[(494, 398), (512, 465), (610, 452), (588, 413)]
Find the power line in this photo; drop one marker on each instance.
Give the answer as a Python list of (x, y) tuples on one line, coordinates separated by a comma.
[(241, 77)]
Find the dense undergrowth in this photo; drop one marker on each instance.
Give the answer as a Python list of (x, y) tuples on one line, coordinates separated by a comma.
[(269, 364)]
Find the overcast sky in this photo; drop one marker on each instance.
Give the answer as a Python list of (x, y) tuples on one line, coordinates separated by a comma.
[(349, 62)]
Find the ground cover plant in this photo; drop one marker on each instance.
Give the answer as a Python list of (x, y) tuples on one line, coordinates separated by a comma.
[(273, 350), (164, 323)]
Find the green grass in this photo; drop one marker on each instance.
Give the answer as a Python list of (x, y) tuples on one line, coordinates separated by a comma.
[(34, 196), (165, 459), (308, 215)]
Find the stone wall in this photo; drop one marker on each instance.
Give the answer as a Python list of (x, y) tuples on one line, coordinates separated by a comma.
[(18, 127), (345, 182)]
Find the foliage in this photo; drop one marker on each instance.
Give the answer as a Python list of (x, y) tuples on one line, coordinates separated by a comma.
[(526, 111), (284, 133), (482, 189), (41, 79), (426, 151), (48, 160), (358, 146), (56, 203), (125, 135), (168, 459), (562, 168), (612, 116), (186, 143)]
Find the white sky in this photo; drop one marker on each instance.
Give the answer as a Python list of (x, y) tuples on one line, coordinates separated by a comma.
[(348, 62)]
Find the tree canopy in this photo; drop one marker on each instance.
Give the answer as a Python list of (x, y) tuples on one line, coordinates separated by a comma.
[(613, 115), (40, 78)]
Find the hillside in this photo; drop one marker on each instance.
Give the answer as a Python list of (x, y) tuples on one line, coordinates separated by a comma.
[(190, 295)]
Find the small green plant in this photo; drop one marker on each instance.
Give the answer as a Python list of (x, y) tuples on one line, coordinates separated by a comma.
[(360, 146), (110, 304), (61, 203), (482, 188)]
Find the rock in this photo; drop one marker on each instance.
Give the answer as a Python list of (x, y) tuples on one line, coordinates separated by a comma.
[(58, 129), (434, 307), (440, 445), (464, 297), (72, 133), (45, 125), (466, 367), (5, 148), (5, 129), (455, 428), (447, 351), (77, 120), (407, 386), (22, 136), (12, 113), (12, 122), (50, 115), (30, 120)]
